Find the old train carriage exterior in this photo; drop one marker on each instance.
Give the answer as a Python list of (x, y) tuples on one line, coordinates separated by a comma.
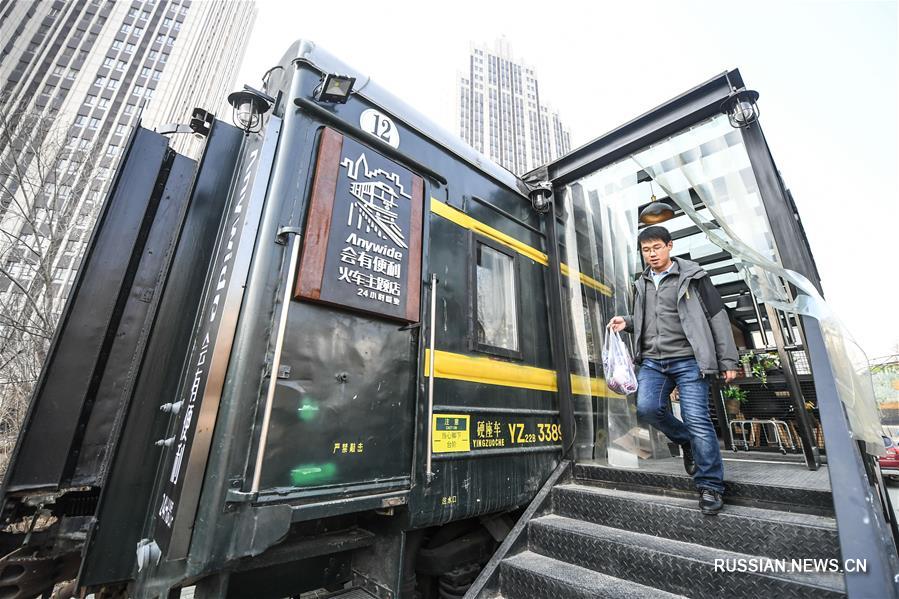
[(265, 393)]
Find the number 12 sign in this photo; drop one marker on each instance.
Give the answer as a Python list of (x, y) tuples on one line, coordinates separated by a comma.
[(381, 126)]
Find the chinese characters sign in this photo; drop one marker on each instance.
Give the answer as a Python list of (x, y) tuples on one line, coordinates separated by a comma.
[(465, 432), (188, 448), (362, 244), (450, 433)]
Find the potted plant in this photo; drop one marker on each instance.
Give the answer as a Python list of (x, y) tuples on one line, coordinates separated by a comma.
[(758, 365), (746, 362), (763, 363), (734, 396)]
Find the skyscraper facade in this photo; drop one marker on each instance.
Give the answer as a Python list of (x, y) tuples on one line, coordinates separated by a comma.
[(76, 75), (501, 112)]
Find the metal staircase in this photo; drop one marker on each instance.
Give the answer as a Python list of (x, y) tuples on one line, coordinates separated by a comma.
[(596, 531)]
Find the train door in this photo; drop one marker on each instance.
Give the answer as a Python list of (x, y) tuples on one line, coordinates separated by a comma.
[(341, 412)]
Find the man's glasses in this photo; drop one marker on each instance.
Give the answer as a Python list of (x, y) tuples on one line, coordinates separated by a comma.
[(654, 249)]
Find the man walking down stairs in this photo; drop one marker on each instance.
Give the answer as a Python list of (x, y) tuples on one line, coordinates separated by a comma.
[(682, 337)]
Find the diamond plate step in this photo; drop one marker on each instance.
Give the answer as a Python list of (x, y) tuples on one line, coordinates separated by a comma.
[(794, 499), (755, 531), (531, 576), (670, 565)]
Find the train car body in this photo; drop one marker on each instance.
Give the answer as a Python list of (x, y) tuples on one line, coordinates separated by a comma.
[(241, 394)]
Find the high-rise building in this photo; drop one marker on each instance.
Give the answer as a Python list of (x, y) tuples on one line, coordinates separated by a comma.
[(76, 75), (502, 114)]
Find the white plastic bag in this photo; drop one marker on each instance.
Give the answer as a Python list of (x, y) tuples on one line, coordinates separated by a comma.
[(618, 366)]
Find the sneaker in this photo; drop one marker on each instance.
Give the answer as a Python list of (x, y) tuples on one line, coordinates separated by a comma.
[(710, 502), (689, 464)]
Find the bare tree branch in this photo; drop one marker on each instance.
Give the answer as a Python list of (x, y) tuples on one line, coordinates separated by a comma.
[(46, 195)]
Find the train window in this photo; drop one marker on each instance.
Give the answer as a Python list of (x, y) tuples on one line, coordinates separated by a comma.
[(495, 298)]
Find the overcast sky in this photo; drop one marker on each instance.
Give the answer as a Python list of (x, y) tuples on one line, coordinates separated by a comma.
[(826, 72)]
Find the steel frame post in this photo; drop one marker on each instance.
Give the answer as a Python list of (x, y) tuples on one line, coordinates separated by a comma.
[(721, 412), (863, 531), (809, 449), (558, 332)]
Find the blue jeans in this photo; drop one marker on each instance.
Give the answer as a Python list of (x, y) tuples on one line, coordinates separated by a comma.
[(657, 379)]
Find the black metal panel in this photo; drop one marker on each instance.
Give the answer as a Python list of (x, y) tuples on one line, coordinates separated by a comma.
[(262, 271), (469, 487), (110, 554), (343, 414), (351, 594), (112, 398), (186, 450), (291, 579), (487, 401), (60, 405), (305, 547), (695, 105)]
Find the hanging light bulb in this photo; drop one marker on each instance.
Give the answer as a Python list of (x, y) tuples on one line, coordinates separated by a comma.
[(656, 212), (249, 106)]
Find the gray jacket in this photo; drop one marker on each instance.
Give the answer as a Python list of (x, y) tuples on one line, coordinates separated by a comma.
[(702, 315)]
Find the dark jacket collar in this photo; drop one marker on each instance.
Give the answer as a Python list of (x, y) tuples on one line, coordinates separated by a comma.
[(687, 268), (681, 266)]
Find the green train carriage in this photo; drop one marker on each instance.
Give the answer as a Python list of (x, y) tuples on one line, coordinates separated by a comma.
[(272, 426)]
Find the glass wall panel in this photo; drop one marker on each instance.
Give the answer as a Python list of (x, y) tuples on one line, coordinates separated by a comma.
[(598, 232)]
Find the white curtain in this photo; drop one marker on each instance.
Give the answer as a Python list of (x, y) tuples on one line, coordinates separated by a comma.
[(496, 300)]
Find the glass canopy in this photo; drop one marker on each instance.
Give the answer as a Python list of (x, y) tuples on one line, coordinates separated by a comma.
[(705, 173)]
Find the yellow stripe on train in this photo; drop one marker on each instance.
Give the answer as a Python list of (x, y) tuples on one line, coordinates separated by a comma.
[(489, 371)]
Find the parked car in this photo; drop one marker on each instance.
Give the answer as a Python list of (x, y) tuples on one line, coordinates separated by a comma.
[(889, 463)]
